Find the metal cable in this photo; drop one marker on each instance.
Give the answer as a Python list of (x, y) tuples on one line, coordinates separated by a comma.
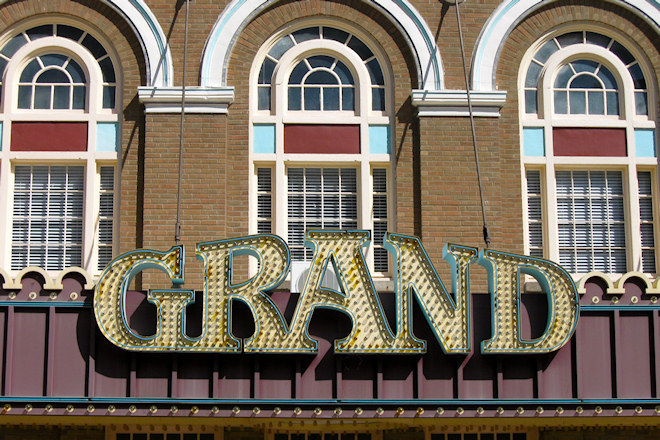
[(474, 135), (177, 226)]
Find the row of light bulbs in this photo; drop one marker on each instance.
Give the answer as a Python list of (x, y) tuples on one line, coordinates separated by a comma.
[(153, 409)]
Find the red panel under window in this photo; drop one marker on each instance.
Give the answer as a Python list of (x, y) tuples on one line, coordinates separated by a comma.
[(49, 136), (589, 142), (322, 139)]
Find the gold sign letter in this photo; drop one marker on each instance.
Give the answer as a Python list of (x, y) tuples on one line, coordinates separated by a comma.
[(415, 275), (505, 272)]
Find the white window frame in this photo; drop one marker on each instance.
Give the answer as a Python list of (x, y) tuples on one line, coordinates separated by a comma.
[(90, 159), (627, 119), (279, 115)]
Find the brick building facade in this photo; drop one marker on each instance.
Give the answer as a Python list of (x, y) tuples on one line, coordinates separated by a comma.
[(303, 115)]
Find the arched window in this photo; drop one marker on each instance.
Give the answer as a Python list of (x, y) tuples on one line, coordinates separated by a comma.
[(589, 151), (59, 148), (321, 117)]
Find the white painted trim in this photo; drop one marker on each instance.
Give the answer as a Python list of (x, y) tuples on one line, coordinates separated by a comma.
[(198, 99), (401, 13), (455, 102), (511, 12)]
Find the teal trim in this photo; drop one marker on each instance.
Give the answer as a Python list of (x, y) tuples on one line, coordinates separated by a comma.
[(533, 141), (84, 305), (379, 139), (107, 136), (644, 143), (263, 138), (375, 402), (161, 45), (430, 43), (478, 59)]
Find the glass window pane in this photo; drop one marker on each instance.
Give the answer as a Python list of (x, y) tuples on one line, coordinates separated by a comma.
[(585, 66), (577, 103), (24, 96), (375, 72), (107, 69), (637, 76), (53, 59), (564, 74), (69, 32), (612, 103), (263, 98), (533, 74), (335, 34), (294, 98), (53, 76), (306, 34), (298, 72), (266, 72), (598, 39), (281, 47), (641, 103), (608, 79), (93, 46), (347, 98), (596, 103), (345, 75), (13, 45), (108, 97), (42, 97), (321, 77), (331, 98), (78, 75), (61, 97), (321, 61), (360, 48), (312, 98), (531, 105), (561, 104), (40, 32), (378, 99), (623, 53), (570, 39), (30, 70), (586, 81), (546, 50)]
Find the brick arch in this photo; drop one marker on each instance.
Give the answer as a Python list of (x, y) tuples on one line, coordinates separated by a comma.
[(135, 16), (402, 17), (511, 13)]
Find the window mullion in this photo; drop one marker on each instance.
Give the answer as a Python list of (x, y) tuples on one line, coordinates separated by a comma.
[(90, 222), (550, 194), (633, 233)]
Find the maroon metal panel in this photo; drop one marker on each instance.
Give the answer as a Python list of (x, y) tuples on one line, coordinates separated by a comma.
[(322, 139), (28, 359), (234, 376), (398, 374), (112, 367), (3, 348), (194, 376), (571, 141), (68, 352), (358, 377), (49, 136), (477, 373), (633, 356), (594, 356), (276, 376), (317, 372), (152, 375), (555, 373)]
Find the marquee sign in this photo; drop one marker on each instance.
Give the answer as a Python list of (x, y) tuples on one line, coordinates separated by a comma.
[(414, 277)]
